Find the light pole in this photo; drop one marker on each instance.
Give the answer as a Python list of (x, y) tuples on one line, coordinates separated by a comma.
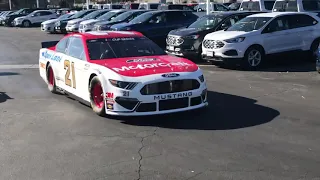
[(37, 3), (10, 7)]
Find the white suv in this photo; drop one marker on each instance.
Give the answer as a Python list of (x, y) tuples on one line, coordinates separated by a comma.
[(36, 17), (255, 36)]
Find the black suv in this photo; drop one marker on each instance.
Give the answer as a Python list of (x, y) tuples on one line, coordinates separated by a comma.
[(22, 12), (187, 41)]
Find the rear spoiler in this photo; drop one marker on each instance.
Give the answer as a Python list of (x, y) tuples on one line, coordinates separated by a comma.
[(48, 44)]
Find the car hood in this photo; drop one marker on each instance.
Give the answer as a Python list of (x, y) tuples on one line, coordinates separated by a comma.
[(74, 21), (222, 35), (15, 15), (88, 21), (121, 25), (19, 18), (148, 65), (185, 31), (51, 21)]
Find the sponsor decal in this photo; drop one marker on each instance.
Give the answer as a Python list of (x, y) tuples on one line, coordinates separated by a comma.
[(172, 96), (123, 39), (110, 101), (125, 93), (151, 66), (109, 95), (142, 60), (109, 106), (42, 65), (48, 55), (170, 75)]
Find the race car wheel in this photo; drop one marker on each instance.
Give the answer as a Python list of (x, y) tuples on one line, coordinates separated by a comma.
[(51, 80), (96, 96), (26, 23)]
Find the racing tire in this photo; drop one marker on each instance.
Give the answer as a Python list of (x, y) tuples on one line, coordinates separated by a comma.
[(253, 58), (51, 80), (313, 51), (97, 96), (26, 23)]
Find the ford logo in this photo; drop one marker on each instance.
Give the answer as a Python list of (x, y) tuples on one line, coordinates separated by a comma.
[(170, 75)]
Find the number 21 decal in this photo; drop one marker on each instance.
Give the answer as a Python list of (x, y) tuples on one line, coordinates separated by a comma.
[(67, 79)]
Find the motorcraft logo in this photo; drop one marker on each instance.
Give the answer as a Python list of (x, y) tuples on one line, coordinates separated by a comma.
[(141, 60), (50, 56), (173, 96), (151, 66), (170, 75)]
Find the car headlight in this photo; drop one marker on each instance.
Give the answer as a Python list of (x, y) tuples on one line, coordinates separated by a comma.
[(235, 40), (58, 23), (123, 84), (201, 78), (192, 37)]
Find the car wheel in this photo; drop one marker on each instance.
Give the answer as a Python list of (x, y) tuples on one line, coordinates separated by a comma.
[(51, 79), (26, 23), (313, 52), (97, 96), (318, 69), (253, 58)]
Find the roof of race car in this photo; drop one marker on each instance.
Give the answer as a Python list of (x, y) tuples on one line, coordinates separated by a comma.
[(107, 34)]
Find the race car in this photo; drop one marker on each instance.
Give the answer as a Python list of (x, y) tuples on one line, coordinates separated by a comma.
[(121, 73)]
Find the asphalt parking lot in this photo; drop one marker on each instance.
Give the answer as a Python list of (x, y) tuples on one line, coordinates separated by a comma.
[(259, 125)]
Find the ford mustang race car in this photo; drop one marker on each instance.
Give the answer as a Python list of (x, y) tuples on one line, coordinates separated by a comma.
[(121, 73)]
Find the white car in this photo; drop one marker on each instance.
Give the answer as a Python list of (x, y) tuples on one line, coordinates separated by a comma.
[(257, 5), (250, 39), (122, 73), (36, 17), (49, 25)]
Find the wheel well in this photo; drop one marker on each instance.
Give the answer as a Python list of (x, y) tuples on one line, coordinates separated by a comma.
[(317, 39), (91, 76), (48, 63), (257, 46)]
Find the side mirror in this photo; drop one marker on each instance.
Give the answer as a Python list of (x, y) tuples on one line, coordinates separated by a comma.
[(224, 26)]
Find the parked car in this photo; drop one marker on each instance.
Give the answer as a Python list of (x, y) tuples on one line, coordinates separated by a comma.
[(34, 18), (8, 21), (49, 25), (149, 6), (249, 40), (157, 24), (131, 6), (296, 6), (4, 15), (73, 25), (234, 6), (112, 6), (86, 26), (175, 6), (63, 11), (124, 17), (60, 26), (187, 41), (215, 7), (257, 5)]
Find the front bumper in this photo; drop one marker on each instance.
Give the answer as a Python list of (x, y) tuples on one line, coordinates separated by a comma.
[(47, 28), (85, 28), (17, 23), (135, 104), (183, 50), (72, 28), (228, 51)]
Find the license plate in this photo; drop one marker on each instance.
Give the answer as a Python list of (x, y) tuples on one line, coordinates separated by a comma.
[(210, 53), (171, 48)]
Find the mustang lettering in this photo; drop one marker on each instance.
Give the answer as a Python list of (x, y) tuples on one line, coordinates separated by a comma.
[(173, 96)]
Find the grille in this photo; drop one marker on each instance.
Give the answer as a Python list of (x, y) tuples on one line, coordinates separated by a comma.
[(81, 26), (212, 44), (174, 40), (173, 104), (147, 107), (170, 87)]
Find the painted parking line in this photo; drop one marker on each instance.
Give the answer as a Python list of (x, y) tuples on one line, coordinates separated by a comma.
[(19, 66)]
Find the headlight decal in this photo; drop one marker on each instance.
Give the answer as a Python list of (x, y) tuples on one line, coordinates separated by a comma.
[(123, 84)]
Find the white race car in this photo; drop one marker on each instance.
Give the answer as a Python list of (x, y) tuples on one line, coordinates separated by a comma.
[(122, 73)]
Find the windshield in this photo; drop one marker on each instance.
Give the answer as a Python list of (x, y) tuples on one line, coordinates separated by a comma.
[(250, 6), (107, 16), (92, 15), (65, 16), (282, 6), (122, 47), (140, 19), (19, 11), (80, 14), (206, 22), (249, 24), (311, 5), (122, 16)]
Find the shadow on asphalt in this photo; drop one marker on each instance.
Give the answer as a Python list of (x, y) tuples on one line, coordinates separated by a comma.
[(224, 112), (4, 97), (8, 73)]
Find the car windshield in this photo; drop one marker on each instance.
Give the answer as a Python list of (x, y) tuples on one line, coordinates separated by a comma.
[(282, 6), (250, 6), (206, 22), (65, 16), (122, 47), (107, 16), (19, 11), (249, 24), (80, 14), (122, 16), (92, 15), (142, 18)]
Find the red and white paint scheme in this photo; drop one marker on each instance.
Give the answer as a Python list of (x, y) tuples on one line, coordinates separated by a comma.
[(122, 73)]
